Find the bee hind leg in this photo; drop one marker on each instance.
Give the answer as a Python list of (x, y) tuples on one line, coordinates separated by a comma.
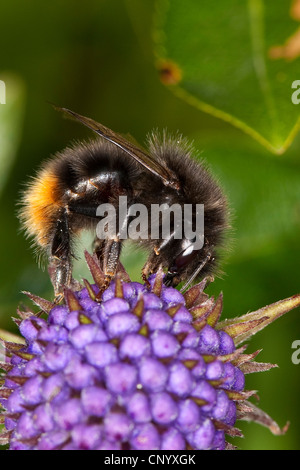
[(60, 266)]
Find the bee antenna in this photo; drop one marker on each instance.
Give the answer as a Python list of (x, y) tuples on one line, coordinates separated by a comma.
[(196, 272)]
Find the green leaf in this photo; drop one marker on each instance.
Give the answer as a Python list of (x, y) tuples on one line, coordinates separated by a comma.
[(235, 61), (11, 119)]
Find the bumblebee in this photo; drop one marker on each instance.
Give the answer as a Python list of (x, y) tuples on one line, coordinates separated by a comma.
[(63, 198)]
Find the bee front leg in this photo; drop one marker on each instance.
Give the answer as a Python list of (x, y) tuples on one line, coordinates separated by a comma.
[(151, 265), (108, 252), (98, 249)]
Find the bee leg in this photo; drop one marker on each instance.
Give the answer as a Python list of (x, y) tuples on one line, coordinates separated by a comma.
[(151, 265), (146, 271), (98, 249), (99, 246), (60, 273), (58, 299), (108, 251), (60, 267)]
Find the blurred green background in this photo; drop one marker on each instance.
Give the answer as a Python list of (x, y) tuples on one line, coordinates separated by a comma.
[(222, 76)]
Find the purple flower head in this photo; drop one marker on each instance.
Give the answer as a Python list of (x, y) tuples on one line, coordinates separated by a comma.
[(144, 367)]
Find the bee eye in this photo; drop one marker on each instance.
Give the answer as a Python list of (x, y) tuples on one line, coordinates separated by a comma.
[(185, 257)]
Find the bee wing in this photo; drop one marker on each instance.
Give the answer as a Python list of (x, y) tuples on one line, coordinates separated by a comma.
[(131, 149)]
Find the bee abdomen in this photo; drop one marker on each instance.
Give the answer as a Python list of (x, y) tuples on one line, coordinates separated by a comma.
[(42, 204)]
